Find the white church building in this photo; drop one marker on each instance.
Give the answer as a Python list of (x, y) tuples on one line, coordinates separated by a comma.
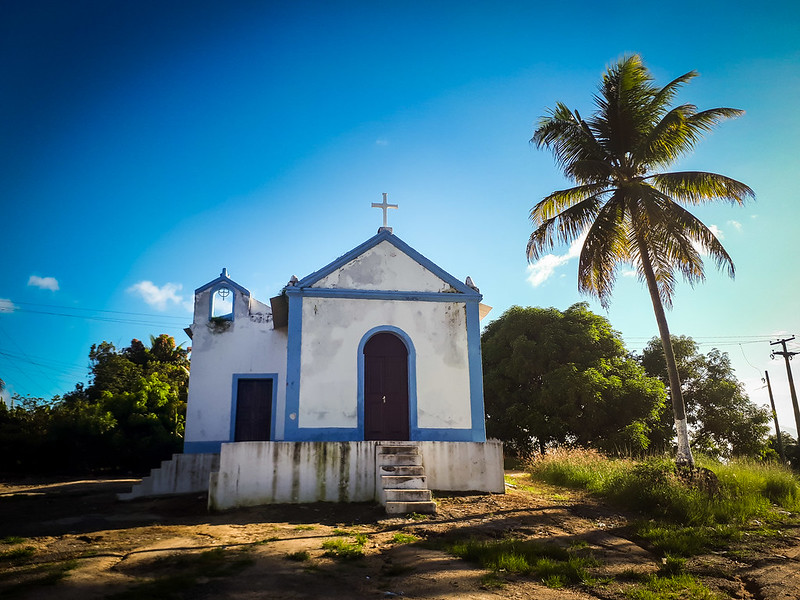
[(361, 381)]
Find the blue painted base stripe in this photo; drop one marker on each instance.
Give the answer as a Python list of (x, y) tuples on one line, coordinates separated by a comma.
[(203, 447)]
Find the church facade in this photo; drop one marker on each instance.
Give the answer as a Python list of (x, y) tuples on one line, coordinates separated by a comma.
[(381, 344), (301, 399)]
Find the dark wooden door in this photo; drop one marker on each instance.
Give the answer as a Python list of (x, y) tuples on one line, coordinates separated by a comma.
[(253, 410), (385, 388)]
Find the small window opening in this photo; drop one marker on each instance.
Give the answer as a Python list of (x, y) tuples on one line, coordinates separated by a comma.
[(222, 304)]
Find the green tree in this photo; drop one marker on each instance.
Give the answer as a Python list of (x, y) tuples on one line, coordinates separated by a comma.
[(723, 420), (553, 377), (630, 211), (130, 416)]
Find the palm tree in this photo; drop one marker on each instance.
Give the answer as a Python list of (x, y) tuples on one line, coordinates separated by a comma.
[(629, 211)]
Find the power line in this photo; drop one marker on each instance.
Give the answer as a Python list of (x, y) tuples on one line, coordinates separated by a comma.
[(117, 312)]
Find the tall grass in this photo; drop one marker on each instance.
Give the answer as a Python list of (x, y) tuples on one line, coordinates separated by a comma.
[(654, 487)]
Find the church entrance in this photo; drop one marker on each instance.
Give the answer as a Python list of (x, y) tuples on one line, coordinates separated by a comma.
[(253, 410), (385, 388)]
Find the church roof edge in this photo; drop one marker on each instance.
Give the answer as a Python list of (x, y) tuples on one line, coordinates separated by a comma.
[(385, 234)]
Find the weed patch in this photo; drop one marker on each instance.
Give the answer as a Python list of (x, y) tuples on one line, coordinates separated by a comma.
[(12, 539), (675, 540), (676, 587), (299, 556), (344, 549), (733, 493), (404, 538), (17, 553), (555, 566)]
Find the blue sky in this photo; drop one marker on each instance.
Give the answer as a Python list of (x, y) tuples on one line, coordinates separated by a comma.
[(146, 145)]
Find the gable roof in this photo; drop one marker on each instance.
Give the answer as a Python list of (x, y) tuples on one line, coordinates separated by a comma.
[(227, 281), (347, 260)]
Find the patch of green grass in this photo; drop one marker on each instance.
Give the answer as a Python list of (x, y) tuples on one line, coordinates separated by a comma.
[(671, 565), (676, 587), (416, 516), (554, 565), (299, 556), (404, 538), (304, 528), (343, 549), (343, 532), (677, 540), (12, 539), (735, 492), (17, 553)]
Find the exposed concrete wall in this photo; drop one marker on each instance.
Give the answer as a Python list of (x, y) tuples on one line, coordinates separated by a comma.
[(253, 473), (383, 267), (464, 466), (183, 474), (248, 344), (332, 331)]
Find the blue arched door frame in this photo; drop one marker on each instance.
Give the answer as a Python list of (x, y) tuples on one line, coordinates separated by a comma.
[(412, 376)]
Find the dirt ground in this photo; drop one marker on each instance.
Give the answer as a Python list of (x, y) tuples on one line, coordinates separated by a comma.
[(73, 539)]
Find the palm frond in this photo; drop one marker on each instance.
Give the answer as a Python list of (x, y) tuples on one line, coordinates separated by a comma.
[(567, 136), (558, 201), (589, 171), (605, 246), (698, 187), (663, 98), (563, 228)]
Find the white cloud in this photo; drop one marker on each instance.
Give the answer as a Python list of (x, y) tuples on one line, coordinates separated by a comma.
[(158, 297), (7, 306), (735, 224), (629, 273), (542, 269), (717, 232), (43, 283)]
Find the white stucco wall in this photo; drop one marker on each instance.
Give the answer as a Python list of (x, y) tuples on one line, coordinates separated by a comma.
[(249, 345), (383, 267), (332, 331)]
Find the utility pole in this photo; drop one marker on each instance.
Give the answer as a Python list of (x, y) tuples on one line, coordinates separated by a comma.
[(775, 418), (787, 356)]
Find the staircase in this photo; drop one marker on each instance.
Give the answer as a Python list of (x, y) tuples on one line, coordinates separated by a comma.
[(402, 485)]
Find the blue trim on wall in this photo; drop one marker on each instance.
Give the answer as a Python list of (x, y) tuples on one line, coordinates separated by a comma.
[(326, 434), (222, 279), (475, 372), (293, 350), (412, 376), (382, 236), (387, 295), (203, 447), (235, 397)]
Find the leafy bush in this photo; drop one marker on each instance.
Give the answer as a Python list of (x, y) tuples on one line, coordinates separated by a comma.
[(716, 493)]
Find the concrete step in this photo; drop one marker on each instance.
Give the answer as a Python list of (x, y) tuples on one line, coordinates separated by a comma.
[(406, 482), (401, 470), (398, 450), (406, 495), (399, 459), (404, 508)]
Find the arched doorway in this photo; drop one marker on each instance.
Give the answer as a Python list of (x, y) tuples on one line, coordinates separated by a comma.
[(385, 388)]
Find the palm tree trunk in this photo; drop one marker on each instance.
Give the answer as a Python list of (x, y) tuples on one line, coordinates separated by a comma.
[(684, 456)]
